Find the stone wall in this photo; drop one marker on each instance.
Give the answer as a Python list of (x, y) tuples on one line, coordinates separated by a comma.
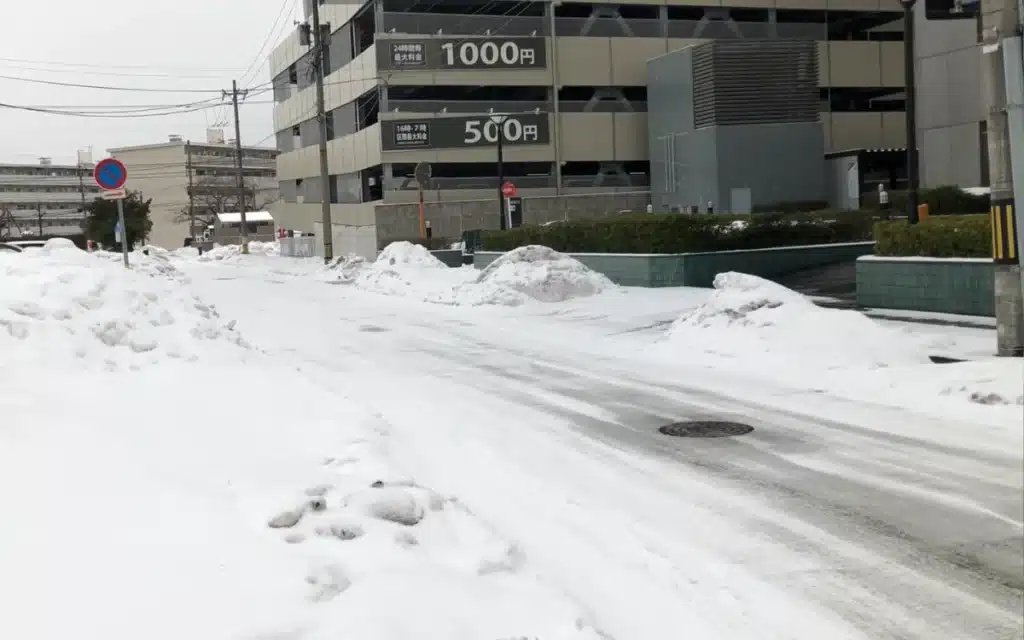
[(450, 219)]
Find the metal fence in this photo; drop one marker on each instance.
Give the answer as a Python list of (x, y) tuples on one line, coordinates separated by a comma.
[(301, 247)]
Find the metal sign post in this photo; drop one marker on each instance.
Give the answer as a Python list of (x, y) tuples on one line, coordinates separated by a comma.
[(110, 174), (508, 191)]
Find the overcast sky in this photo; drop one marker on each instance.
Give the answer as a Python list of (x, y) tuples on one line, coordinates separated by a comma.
[(161, 45)]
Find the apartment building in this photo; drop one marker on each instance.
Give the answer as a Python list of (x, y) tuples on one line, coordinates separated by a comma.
[(44, 198), (180, 177), (411, 81)]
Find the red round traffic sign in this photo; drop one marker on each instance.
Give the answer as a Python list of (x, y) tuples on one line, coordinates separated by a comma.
[(110, 174), (508, 190)]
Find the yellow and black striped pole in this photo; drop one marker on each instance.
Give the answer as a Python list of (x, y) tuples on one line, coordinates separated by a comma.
[(1004, 233)]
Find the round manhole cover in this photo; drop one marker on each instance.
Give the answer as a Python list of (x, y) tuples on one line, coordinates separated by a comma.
[(706, 429)]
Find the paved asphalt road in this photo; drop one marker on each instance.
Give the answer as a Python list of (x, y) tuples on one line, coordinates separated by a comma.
[(910, 536)]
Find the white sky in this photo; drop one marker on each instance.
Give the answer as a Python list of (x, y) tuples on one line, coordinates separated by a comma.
[(151, 44)]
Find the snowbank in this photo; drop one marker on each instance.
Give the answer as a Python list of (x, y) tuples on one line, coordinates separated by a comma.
[(527, 274), (65, 304), (747, 316), (154, 504), (407, 254), (234, 251), (543, 274)]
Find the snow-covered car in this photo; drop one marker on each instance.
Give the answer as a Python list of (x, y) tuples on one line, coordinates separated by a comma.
[(21, 245), (9, 248)]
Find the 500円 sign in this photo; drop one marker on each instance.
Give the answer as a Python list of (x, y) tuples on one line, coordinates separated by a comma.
[(438, 54), (465, 132)]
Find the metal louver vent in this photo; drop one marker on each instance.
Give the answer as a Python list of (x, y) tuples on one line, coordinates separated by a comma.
[(703, 61), (739, 82)]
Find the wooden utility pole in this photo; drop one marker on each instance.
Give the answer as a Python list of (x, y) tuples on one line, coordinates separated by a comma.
[(321, 33), (191, 195), (235, 93)]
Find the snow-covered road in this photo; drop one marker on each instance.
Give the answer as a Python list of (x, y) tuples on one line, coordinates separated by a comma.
[(259, 448), (875, 522)]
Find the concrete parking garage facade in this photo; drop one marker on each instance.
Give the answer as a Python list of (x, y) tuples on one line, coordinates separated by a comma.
[(413, 81)]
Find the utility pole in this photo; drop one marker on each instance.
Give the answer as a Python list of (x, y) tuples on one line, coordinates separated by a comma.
[(39, 218), (499, 122), (1000, 26), (910, 109), (81, 183), (319, 60), (238, 161), (191, 196)]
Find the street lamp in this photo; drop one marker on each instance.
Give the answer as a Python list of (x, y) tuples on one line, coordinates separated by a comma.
[(498, 119), (910, 103)]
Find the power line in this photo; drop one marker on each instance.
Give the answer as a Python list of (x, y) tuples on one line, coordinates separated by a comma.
[(270, 36), (122, 74), (106, 87), (115, 66)]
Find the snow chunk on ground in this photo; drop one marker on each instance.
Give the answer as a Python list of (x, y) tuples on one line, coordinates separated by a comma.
[(747, 315), (65, 304), (408, 254), (543, 274), (994, 381)]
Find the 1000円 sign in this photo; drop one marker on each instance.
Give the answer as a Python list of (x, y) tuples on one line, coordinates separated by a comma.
[(439, 54), (465, 132)]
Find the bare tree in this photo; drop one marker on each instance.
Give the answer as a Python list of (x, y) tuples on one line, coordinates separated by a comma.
[(211, 196), (9, 225)]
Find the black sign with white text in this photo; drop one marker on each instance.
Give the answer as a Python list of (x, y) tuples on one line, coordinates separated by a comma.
[(464, 132), (436, 54)]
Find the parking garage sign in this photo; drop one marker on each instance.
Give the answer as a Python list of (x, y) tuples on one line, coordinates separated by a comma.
[(465, 132), (439, 54)]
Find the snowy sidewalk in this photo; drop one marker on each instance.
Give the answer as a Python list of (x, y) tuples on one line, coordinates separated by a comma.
[(164, 478)]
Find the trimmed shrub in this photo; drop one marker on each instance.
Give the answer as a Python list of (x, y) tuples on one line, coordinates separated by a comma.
[(941, 201), (681, 233), (963, 236)]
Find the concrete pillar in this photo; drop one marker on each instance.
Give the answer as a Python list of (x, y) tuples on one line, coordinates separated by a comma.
[(1009, 310)]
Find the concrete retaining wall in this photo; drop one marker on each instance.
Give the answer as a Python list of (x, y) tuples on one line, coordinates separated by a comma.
[(961, 286), (700, 269), (450, 219)]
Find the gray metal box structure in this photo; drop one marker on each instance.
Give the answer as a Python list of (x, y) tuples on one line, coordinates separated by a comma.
[(735, 123)]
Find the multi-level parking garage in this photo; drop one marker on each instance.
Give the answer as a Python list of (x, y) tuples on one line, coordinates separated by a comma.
[(417, 80)]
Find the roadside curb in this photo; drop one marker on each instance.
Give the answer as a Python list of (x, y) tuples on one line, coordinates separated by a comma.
[(881, 314)]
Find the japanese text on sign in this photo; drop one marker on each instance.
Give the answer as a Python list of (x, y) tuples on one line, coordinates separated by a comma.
[(408, 54), (412, 134)]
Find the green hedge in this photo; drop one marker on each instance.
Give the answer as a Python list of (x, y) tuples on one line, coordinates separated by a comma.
[(680, 233), (941, 201), (964, 236)]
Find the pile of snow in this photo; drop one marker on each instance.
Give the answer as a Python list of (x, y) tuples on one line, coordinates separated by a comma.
[(527, 274), (233, 252), (403, 270), (747, 316), (542, 274), (61, 302), (148, 504), (407, 254)]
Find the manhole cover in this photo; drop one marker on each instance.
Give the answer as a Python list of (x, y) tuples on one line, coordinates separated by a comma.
[(705, 429)]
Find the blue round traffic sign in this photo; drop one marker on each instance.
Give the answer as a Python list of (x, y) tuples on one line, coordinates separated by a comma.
[(110, 174)]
